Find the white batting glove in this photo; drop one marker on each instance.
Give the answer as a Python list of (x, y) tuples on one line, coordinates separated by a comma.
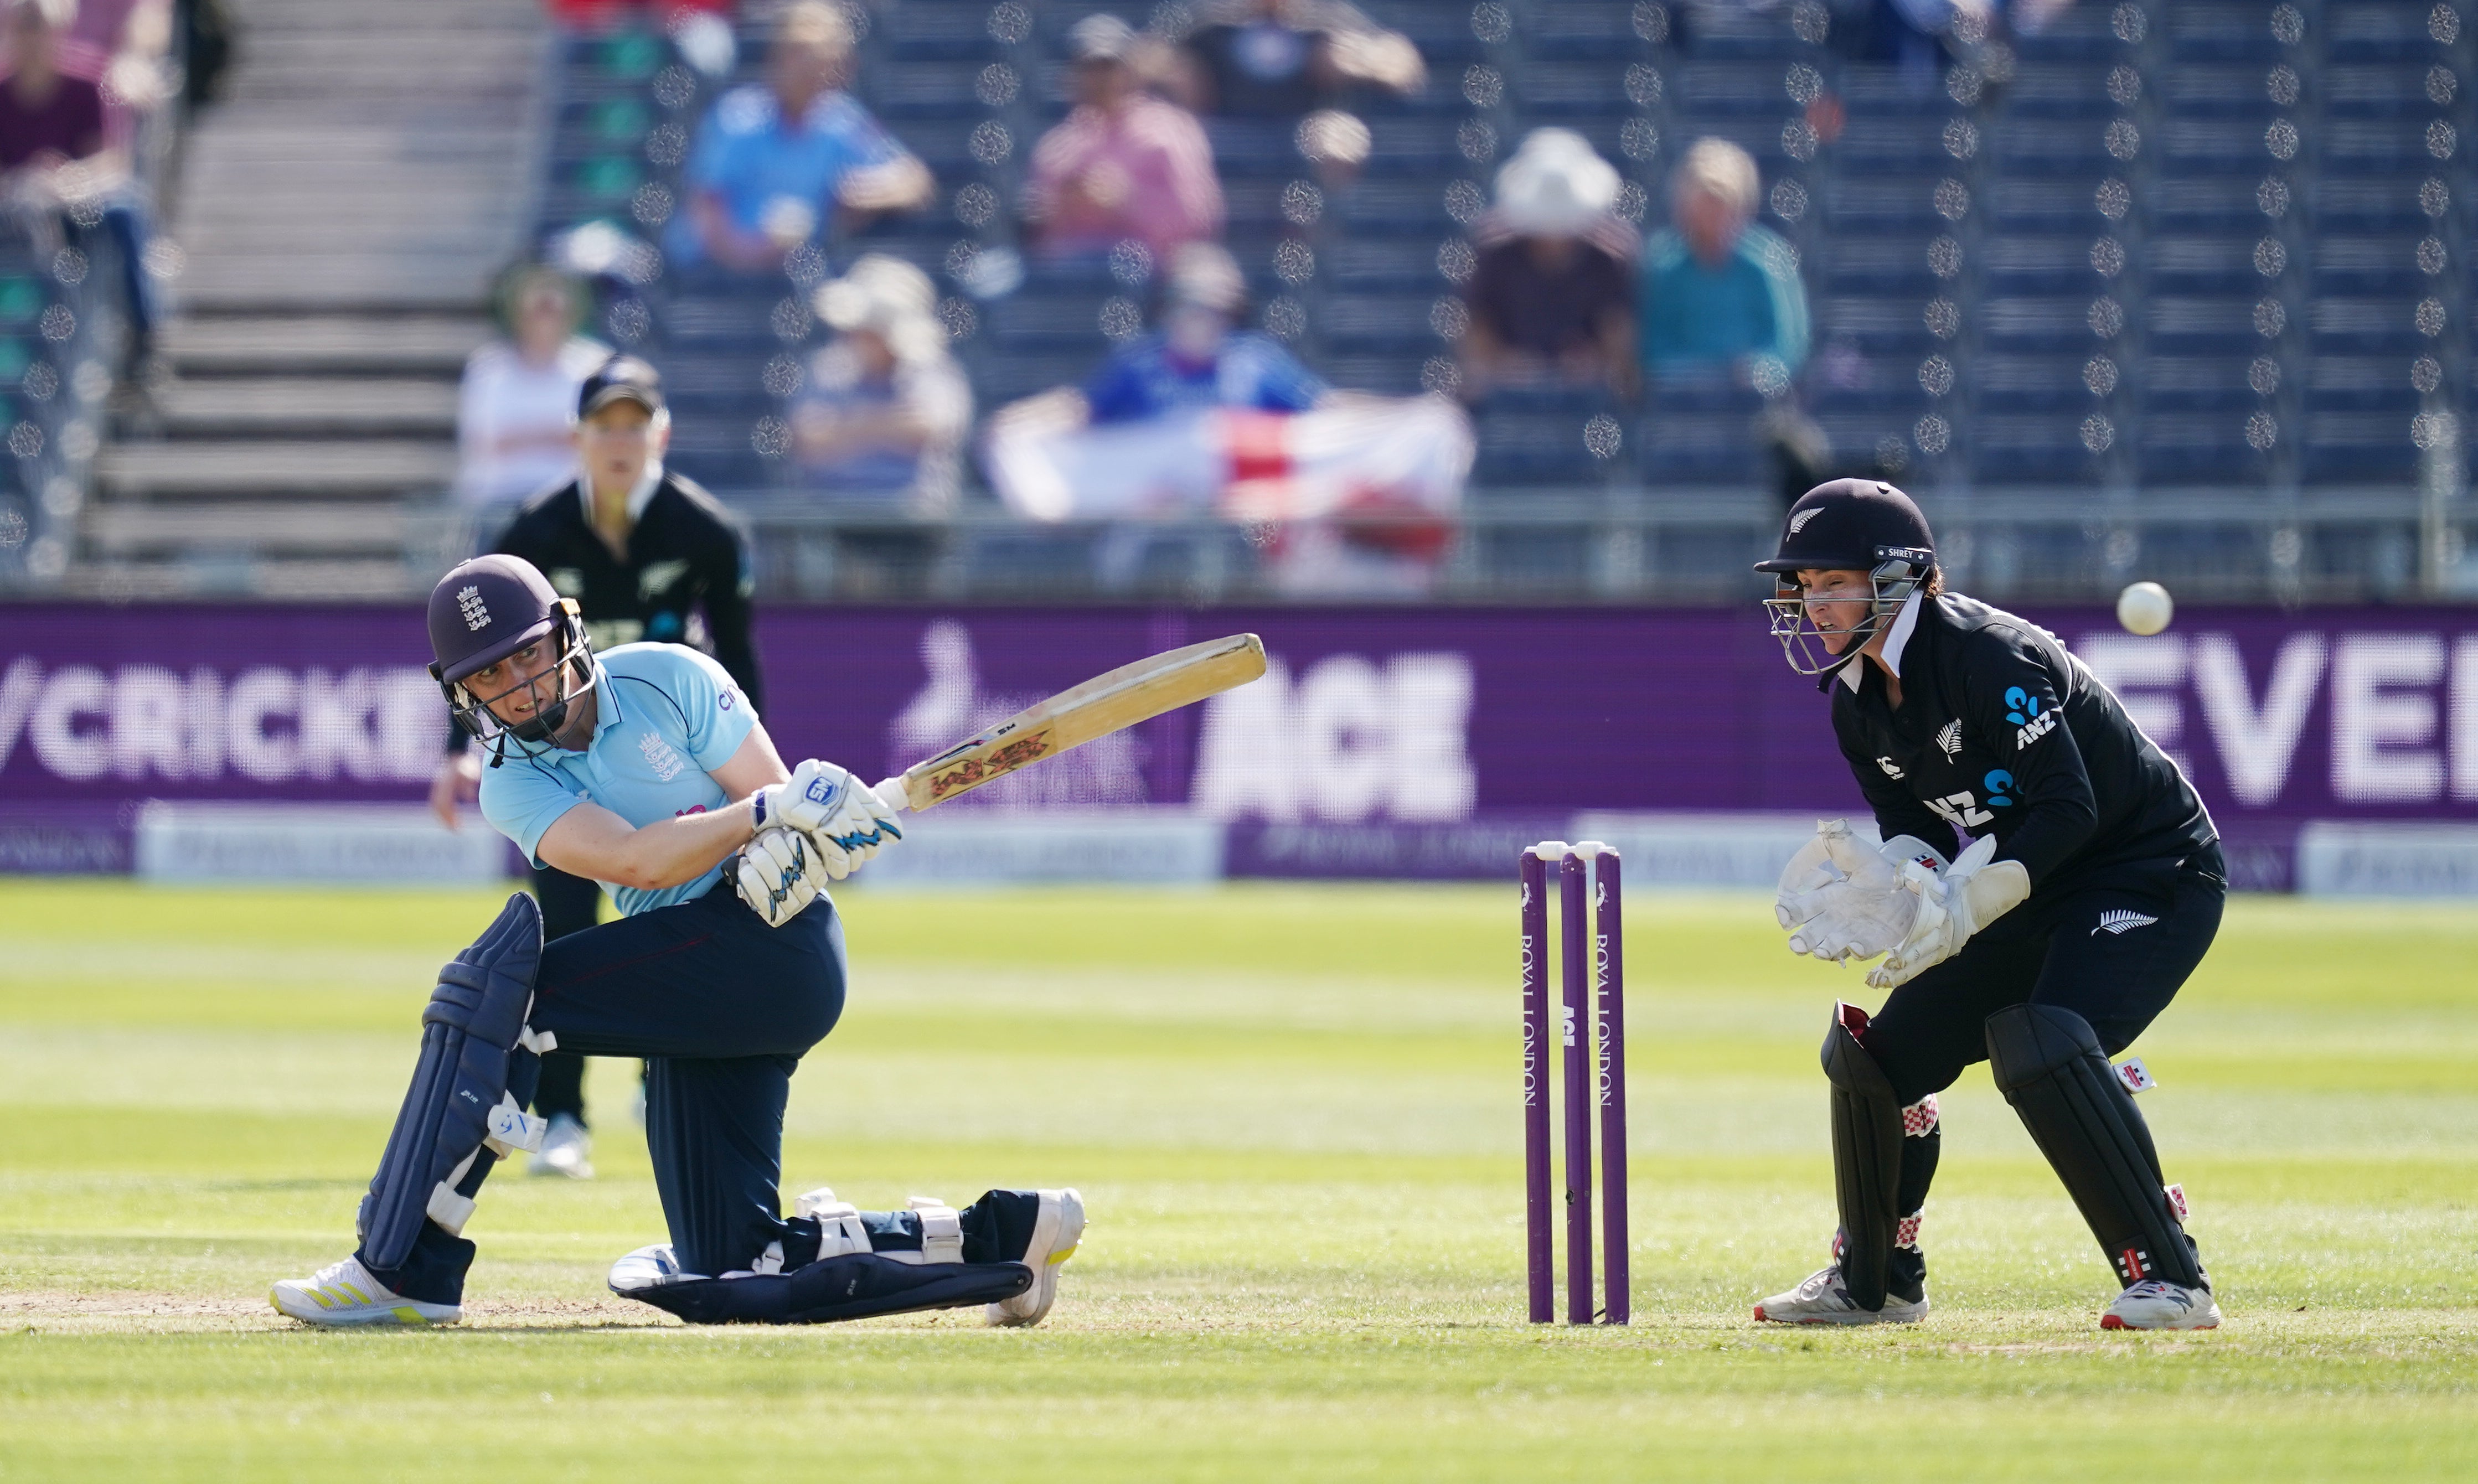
[(1970, 894), (845, 822), (777, 875), (1840, 898)]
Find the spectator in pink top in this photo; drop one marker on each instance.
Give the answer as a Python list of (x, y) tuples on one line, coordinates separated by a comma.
[(1125, 164)]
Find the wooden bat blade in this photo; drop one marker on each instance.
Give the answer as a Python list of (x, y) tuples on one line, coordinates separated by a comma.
[(1099, 707)]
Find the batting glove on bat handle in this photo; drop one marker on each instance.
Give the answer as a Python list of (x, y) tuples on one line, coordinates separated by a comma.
[(892, 794)]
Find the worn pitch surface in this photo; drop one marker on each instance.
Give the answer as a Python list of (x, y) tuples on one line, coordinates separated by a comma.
[(1292, 1113)]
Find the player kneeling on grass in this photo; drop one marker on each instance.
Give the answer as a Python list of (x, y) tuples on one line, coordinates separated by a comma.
[(644, 768), (2090, 888)]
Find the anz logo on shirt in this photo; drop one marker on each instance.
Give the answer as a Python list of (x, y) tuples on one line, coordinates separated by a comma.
[(2022, 709), (1961, 809)]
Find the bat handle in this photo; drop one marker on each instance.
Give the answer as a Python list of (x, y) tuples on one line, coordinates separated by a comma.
[(890, 792)]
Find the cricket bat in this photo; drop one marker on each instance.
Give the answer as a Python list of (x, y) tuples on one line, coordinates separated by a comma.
[(1097, 708)]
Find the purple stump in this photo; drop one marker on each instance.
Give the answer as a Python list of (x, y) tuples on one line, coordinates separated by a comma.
[(1618, 1301), (1535, 1087), (1575, 1026)]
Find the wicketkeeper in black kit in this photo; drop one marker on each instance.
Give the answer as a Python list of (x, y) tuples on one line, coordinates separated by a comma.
[(648, 556), (2091, 885)]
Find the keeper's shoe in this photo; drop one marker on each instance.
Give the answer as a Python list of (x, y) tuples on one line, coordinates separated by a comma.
[(343, 1295), (1825, 1299), (567, 1150), (1056, 1232), (2152, 1304)]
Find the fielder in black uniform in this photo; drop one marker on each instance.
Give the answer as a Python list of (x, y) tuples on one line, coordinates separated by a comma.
[(2089, 887), (648, 556)]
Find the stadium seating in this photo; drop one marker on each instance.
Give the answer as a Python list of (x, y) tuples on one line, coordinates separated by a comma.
[(2117, 255)]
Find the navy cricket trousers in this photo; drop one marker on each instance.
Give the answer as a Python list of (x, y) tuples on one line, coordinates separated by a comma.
[(722, 1007)]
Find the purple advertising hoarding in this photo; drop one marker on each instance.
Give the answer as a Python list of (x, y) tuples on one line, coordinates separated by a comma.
[(1383, 740)]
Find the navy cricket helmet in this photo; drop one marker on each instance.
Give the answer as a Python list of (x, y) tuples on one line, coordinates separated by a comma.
[(1856, 525), (483, 611)]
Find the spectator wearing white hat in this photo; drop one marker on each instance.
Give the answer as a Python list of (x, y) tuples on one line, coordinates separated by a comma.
[(880, 422), (1552, 299), (1717, 289)]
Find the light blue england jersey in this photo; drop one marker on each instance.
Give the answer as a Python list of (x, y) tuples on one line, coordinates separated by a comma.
[(667, 717)]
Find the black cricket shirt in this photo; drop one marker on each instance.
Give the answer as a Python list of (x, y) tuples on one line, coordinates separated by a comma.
[(2002, 730)]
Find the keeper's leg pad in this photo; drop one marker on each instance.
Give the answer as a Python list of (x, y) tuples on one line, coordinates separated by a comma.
[(2048, 1064), (849, 1286), (478, 1064), (1867, 1158)]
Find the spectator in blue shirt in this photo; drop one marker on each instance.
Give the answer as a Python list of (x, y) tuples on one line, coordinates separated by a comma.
[(773, 165), (1196, 359), (1718, 291)]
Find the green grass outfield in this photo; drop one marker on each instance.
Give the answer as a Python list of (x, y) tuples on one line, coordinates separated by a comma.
[(1292, 1112)]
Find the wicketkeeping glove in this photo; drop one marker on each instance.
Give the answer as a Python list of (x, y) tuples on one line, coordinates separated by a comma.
[(1974, 891), (843, 821), (1842, 898), (777, 873)]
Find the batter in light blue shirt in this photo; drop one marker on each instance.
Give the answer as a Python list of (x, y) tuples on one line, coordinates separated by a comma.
[(667, 718)]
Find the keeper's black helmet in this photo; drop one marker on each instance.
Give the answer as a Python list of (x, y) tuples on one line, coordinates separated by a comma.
[(1860, 525), (483, 611)]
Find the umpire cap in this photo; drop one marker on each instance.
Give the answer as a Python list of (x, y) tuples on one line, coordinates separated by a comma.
[(620, 379), (485, 610), (1851, 525)]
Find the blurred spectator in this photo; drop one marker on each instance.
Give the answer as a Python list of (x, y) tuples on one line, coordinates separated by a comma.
[(1719, 290), (54, 156), (1125, 164), (516, 413), (1284, 58), (205, 28), (882, 420), (1553, 297), (609, 14), (122, 44), (1199, 357), (774, 164), (1344, 494)]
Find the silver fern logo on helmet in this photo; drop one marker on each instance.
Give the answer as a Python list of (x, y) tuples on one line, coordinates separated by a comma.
[(1797, 522)]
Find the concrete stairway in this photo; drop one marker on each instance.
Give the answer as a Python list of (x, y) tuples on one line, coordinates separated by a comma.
[(342, 213)]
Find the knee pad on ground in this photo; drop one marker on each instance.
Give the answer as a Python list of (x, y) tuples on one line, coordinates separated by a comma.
[(470, 1089), (2049, 1064), (852, 1286)]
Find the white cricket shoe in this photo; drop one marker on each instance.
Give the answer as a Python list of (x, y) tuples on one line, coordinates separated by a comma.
[(344, 1295), (2154, 1304), (1825, 1299), (567, 1150), (1055, 1235)]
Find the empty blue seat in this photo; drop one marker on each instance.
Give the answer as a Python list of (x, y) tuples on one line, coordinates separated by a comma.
[(2357, 448)]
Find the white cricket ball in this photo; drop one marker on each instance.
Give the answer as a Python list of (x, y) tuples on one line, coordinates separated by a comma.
[(2145, 607)]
